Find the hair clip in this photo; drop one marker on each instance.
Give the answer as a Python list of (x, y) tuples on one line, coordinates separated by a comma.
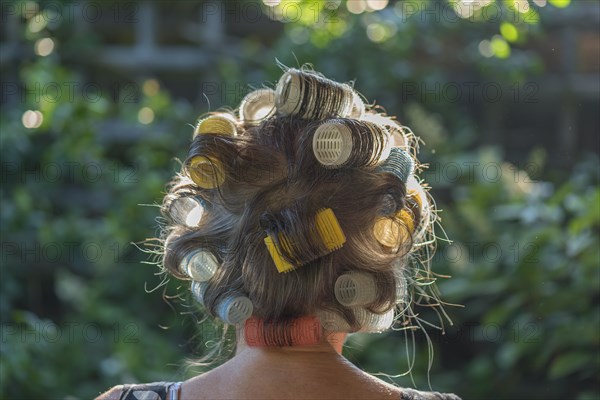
[(303, 331), (200, 265), (333, 322), (220, 124), (355, 289), (399, 163), (330, 234), (206, 172), (346, 142), (312, 96), (257, 106), (199, 290), (373, 323), (235, 309), (187, 210)]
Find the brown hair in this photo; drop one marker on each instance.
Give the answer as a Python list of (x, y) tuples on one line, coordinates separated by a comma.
[(272, 180)]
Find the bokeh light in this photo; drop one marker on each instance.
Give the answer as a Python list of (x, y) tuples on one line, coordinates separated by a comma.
[(150, 87), (271, 3), (485, 49), (146, 115), (499, 46), (356, 6), (32, 119), (44, 47), (509, 31), (37, 23), (377, 5)]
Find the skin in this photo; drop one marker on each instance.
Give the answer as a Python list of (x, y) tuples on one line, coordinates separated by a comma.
[(307, 372)]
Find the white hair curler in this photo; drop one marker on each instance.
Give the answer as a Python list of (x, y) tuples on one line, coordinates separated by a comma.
[(200, 265), (257, 106), (187, 210), (373, 323), (198, 290), (355, 289), (332, 321), (332, 144)]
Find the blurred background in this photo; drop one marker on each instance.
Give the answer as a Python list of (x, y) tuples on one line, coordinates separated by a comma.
[(98, 100)]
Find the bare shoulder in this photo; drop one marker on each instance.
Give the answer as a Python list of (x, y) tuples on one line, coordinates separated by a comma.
[(111, 394)]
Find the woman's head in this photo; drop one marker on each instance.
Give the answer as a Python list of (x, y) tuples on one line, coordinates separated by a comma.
[(298, 206)]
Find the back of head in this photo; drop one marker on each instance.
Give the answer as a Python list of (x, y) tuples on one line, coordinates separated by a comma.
[(304, 203)]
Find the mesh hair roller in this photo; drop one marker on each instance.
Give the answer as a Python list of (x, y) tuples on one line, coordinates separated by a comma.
[(206, 172), (332, 321), (220, 124), (371, 322), (399, 163), (397, 132), (346, 142), (401, 289), (198, 290), (355, 289), (235, 309), (389, 232), (200, 265), (311, 96), (257, 106), (187, 210)]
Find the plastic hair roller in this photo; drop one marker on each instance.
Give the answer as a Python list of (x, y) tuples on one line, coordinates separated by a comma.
[(388, 232), (206, 172), (337, 143), (401, 289), (397, 134), (358, 107), (371, 322), (399, 163), (312, 96), (220, 124), (199, 290), (280, 262), (200, 265), (407, 218), (235, 309), (303, 331), (187, 210), (355, 289), (333, 322), (330, 234), (257, 106)]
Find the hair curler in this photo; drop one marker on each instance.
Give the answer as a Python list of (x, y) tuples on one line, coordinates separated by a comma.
[(235, 309), (206, 172), (219, 124), (355, 289), (200, 265), (187, 210), (257, 106), (371, 322)]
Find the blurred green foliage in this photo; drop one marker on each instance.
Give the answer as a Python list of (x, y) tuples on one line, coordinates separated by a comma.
[(81, 187)]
